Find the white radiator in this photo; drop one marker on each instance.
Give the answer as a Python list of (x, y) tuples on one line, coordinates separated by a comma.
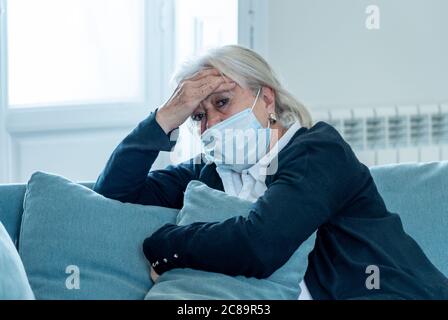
[(386, 135)]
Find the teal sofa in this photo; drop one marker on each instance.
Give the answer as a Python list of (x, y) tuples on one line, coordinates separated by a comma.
[(418, 192)]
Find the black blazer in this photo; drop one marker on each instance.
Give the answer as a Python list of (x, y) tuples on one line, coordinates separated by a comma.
[(319, 185)]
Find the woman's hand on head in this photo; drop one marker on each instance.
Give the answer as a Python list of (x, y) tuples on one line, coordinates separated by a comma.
[(188, 95)]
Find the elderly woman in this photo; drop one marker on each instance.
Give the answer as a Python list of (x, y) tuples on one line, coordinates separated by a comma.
[(301, 178)]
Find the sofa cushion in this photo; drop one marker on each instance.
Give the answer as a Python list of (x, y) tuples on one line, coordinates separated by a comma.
[(418, 192), (77, 244), (203, 204), (11, 208), (13, 280)]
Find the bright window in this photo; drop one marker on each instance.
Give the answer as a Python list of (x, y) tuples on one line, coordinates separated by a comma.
[(75, 51), (201, 24)]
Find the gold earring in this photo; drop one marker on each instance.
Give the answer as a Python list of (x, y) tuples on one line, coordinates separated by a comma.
[(272, 118)]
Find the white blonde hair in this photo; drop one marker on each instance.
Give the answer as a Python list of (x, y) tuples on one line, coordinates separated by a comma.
[(250, 71)]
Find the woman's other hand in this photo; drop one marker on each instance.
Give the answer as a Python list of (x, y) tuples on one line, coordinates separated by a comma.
[(154, 275), (188, 95)]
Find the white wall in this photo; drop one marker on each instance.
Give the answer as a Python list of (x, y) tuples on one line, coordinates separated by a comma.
[(327, 57), (320, 48)]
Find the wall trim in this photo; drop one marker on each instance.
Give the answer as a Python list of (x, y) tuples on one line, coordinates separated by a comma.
[(5, 139), (253, 25)]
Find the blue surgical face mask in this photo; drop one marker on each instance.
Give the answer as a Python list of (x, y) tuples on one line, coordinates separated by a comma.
[(238, 142)]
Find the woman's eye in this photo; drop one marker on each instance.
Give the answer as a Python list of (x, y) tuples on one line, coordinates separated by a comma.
[(222, 102), (198, 117)]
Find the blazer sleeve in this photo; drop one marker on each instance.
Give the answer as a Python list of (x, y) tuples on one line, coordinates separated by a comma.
[(309, 188), (127, 177)]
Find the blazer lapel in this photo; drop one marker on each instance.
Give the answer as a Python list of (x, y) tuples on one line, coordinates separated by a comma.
[(210, 177)]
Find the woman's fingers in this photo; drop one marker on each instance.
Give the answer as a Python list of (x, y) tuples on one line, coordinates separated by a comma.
[(210, 79), (213, 85), (208, 86), (197, 91), (205, 76), (226, 86), (203, 73)]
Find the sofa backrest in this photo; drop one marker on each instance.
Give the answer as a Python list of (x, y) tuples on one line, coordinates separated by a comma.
[(417, 192), (11, 207)]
